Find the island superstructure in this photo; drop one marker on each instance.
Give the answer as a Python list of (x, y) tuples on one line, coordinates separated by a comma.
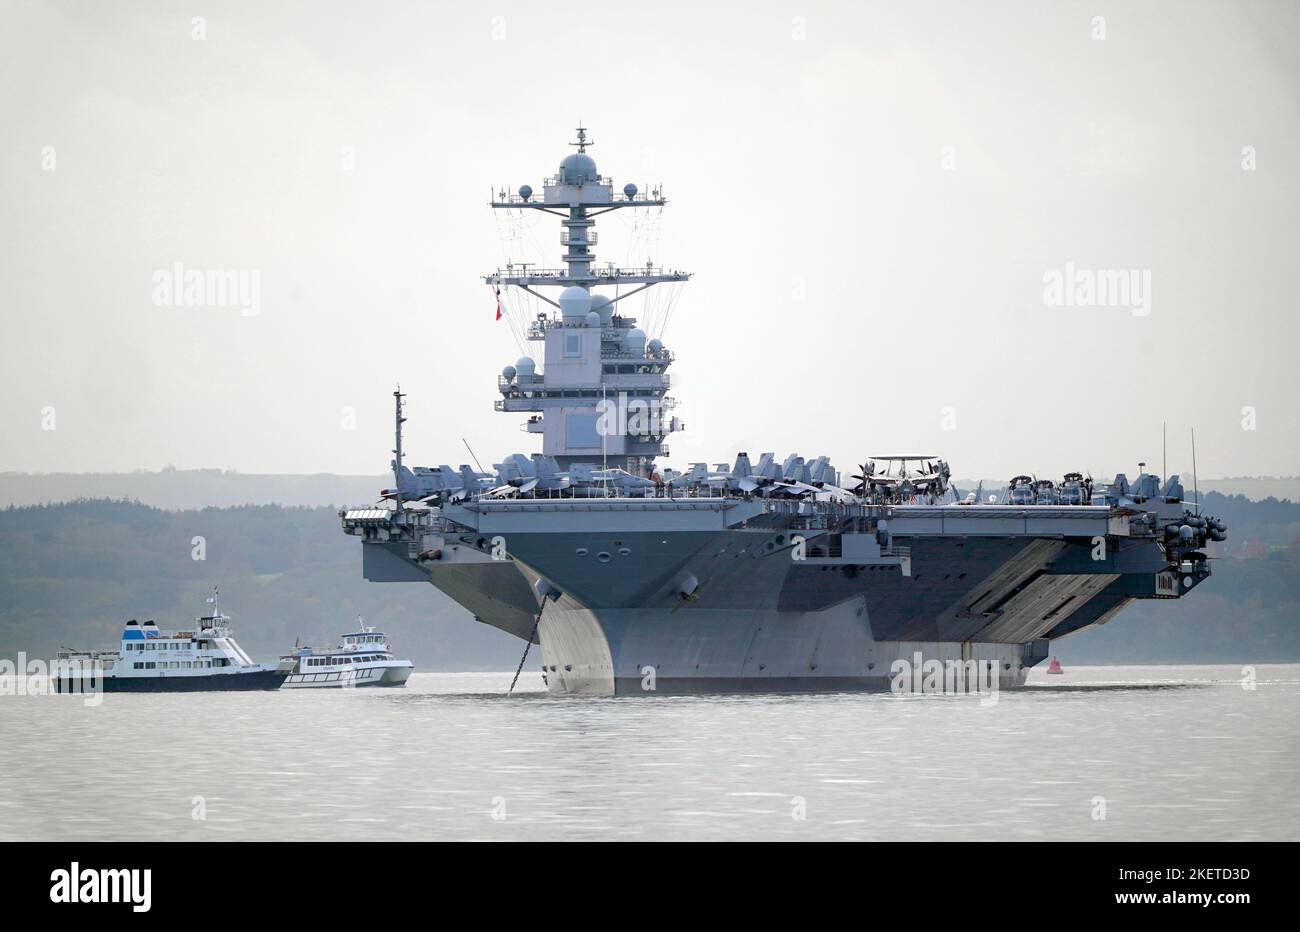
[(593, 352), (755, 574)]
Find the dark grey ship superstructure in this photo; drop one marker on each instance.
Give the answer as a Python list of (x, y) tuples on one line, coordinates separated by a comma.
[(767, 575)]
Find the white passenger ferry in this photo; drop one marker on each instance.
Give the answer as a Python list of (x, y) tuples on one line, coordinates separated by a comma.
[(149, 660), (363, 659)]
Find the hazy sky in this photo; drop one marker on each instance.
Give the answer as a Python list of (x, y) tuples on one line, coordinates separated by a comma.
[(870, 196)]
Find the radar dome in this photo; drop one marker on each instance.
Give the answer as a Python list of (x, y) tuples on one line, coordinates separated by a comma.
[(629, 189), (656, 346), (525, 367), (593, 319), (575, 302), (603, 306), (578, 168), (525, 191), (508, 373), (634, 341)]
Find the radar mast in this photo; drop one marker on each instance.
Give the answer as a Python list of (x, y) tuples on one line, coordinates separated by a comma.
[(602, 392)]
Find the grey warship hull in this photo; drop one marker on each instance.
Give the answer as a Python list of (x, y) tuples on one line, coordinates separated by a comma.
[(599, 586)]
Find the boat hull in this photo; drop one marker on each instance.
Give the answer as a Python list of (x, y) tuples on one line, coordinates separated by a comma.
[(640, 652), (395, 675), (226, 682), (699, 595)]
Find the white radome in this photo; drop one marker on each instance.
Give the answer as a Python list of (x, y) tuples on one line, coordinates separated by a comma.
[(634, 341), (603, 306), (575, 302)]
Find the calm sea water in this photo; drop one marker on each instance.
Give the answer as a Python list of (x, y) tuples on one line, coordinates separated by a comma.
[(1168, 752)]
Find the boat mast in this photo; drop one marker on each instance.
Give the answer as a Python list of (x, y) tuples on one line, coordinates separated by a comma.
[(397, 449), (577, 195)]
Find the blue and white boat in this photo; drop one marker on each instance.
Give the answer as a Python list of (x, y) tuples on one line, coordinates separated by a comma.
[(150, 660), (364, 658)]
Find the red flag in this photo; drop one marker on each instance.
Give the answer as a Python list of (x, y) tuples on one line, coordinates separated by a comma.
[(498, 291)]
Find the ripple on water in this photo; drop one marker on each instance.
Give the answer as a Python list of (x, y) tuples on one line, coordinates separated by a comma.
[(1174, 752)]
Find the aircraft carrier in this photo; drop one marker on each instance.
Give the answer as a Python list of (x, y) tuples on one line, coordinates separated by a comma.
[(758, 574)]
